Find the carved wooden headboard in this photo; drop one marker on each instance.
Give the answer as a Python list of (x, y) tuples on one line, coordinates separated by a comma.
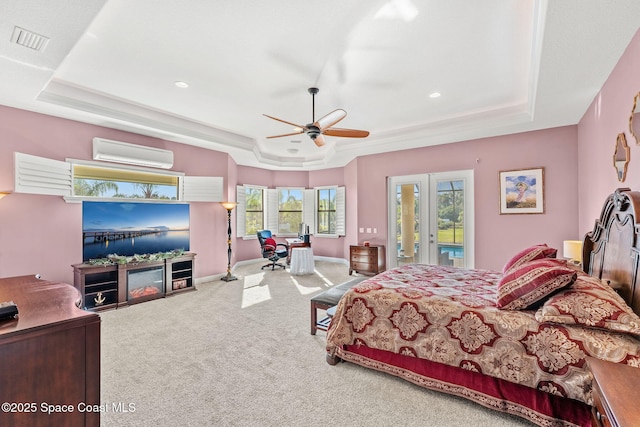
[(611, 250)]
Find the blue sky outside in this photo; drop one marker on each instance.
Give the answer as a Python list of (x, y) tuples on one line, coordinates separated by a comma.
[(286, 193), (125, 215)]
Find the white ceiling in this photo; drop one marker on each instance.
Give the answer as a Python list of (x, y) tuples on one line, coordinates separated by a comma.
[(501, 66)]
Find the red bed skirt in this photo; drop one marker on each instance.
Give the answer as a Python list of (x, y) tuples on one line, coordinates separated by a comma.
[(537, 406)]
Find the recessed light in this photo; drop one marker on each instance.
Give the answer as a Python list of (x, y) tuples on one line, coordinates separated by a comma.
[(181, 84), (435, 95)]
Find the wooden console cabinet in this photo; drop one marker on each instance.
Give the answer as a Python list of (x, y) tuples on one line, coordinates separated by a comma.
[(367, 259), (50, 355), (104, 287)]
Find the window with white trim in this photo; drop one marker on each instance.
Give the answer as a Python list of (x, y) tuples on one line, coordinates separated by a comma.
[(254, 209), (330, 212), (326, 202), (290, 209), (251, 210), (106, 182), (284, 209), (76, 180)]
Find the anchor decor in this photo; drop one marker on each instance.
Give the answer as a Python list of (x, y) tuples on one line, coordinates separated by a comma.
[(99, 299)]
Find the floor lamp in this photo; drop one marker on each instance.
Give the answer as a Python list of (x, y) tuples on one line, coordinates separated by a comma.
[(229, 207)]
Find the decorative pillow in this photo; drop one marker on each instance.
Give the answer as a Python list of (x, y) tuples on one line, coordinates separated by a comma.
[(589, 302), (529, 254), (528, 283)]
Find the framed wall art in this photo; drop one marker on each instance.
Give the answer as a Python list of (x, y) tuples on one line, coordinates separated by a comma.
[(522, 191)]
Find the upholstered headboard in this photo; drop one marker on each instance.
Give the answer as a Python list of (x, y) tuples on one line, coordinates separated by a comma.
[(611, 250)]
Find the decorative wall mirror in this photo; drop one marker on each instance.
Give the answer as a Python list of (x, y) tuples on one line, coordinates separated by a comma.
[(621, 157), (634, 119)]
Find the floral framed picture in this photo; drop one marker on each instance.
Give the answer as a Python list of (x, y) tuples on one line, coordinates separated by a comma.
[(522, 191)]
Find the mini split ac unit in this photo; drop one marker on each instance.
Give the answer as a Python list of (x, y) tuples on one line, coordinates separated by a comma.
[(121, 152)]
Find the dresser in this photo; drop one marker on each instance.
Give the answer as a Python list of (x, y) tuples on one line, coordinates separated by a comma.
[(615, 389), (50, 356), (366, 259)]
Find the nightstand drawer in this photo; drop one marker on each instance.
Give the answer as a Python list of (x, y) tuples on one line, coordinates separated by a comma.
[(598, 412), (364, 258), (614, 390)]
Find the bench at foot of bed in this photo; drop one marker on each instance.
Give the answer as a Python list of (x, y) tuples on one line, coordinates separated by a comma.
[(326, 300)]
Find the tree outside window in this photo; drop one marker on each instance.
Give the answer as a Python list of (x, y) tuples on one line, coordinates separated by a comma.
[(254, 214), (93, 181), (326, 211), (289, 210)]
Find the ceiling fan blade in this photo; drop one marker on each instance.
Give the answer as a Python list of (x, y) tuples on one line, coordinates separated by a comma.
[(319, 140), (286, 134), (284, 121), (346, 133), (331, 119)]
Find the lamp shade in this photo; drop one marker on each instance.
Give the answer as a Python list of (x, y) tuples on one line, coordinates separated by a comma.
[(572, 249), (228, 205)]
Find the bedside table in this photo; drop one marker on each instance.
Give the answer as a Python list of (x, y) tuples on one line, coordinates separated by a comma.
[(366, 259), (614, 394)]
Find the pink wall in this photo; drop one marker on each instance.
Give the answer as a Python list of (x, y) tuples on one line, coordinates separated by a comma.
[(249, 249), (30, 221), (43, 234), (608, 116), (497, 237)]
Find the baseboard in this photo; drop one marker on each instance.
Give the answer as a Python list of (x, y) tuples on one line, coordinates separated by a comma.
[(331, 259), (205, 279)]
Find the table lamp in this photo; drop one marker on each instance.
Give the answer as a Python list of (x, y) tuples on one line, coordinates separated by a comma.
[(572, 249)]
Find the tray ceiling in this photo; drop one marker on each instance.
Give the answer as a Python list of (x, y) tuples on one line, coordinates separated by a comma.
[(500, 66)]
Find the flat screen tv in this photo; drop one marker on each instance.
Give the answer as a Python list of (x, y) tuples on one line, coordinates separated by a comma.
[(129, 228)]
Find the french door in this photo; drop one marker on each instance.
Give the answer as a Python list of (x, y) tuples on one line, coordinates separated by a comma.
[(431, 219)]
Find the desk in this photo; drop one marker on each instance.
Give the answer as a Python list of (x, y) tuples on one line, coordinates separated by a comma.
[(295, 243), (302, 261)]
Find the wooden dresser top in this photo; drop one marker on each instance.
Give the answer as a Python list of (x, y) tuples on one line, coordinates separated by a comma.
[(40, 303)]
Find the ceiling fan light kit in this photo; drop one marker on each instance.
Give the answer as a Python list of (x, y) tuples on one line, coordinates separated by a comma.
[(323, 126)]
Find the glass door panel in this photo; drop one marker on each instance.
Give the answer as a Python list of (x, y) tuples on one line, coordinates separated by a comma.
[(449, 238), (408, 223), (431, 219)]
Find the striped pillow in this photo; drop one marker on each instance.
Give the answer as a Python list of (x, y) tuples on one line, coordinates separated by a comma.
[(529, 254), (524, 285)]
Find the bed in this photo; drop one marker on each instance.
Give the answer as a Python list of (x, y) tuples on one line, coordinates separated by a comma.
[(517, 340)]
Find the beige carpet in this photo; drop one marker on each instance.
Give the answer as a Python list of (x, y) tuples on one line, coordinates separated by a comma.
[(240, 354)]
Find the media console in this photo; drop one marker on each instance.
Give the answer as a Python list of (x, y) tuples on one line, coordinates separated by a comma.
[(115, 285)]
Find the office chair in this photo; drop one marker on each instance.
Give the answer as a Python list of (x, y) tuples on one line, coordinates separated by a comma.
[(270, 249)]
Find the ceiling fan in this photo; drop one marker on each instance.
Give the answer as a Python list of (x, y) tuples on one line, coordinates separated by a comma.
[(323, 126)]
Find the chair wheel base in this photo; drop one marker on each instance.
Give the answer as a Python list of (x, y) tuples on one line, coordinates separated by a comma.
[(273, 266)]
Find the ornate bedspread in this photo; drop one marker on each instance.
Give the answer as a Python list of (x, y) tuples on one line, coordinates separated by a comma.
[(449, 315)]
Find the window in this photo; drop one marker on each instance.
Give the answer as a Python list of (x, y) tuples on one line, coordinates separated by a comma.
[(76, 180), (282, 210), (94, 181), (326, 222), (254, 209), (290, 203)]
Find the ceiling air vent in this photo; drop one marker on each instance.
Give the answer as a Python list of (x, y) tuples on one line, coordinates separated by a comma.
[(29, 39)]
